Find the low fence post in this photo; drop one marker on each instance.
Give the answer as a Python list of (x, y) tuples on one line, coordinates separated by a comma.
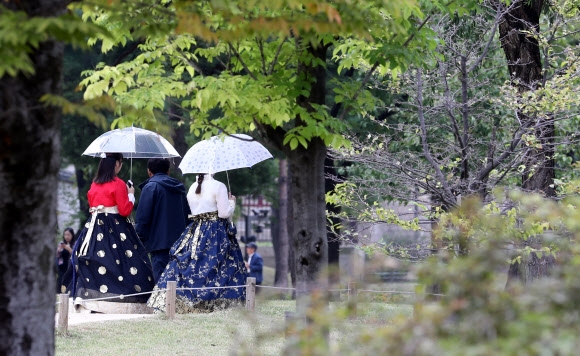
[(291, 320), (419, 300), (170, 299), (352, 298), (62, 325), (251, 294)]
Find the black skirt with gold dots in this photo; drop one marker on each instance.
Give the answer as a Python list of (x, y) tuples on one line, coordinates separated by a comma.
[(109, 264)]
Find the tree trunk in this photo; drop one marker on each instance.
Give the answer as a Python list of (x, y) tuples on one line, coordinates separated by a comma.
[(309, 239), (309, 234), (523, 55), (83, 204), (282, 241), (275, 235), (290, 226), (178, 135), (332, 238), (30, 150)]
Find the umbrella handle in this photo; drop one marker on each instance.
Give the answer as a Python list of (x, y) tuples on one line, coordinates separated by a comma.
[(228, 177)]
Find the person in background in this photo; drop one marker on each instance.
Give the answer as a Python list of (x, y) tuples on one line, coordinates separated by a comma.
[(206, 255), (246, 241), (108, 259), (63, 253), (161, 213), (255, 262)]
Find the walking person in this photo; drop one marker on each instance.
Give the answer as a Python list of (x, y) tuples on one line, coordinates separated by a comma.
[(162, 213), (63, 253), (206, 255), (109, 261)]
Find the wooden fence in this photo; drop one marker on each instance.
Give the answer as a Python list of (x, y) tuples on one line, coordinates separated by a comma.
[(171, 295), (170, 301)]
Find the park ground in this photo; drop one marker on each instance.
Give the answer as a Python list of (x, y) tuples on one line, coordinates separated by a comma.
[(227, 332)]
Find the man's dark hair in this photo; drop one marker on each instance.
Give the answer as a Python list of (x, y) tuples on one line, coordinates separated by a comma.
[(158, 165)]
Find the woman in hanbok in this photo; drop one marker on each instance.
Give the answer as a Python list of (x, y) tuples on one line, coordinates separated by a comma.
[(109, 261), (206, 255)]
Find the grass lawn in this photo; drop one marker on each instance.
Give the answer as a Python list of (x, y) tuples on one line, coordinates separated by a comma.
[(220, 333), (228, 332)]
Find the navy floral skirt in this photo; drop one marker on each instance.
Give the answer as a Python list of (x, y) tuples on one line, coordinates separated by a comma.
[(204, 256), (110, 262)]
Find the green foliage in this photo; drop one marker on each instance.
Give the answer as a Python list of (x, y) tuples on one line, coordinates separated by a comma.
[(473, 312), (360, 210), (260, 180), (91, 109), (254, 83), (126, 21), (556, 98), (477, 315), (463, 118), (16, 45)]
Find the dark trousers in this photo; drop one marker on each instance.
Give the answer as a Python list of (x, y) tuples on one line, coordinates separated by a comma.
[(159, 260), (61, 269)]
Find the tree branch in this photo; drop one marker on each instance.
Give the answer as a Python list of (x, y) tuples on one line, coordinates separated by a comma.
[(488, 44), (260, 43), (447, 93), (465, 116), (450, 197), (275, 60), (237, 54), (275, 136), (493, 164), (192, 64), (374, 67)]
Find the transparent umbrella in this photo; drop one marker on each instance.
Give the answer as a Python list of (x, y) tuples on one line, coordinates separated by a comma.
[(132, 142), (218, 154)]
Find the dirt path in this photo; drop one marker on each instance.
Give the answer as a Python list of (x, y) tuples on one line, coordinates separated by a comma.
[(75, 318)]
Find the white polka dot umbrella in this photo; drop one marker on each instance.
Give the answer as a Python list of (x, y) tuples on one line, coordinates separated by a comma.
[(218, 154)]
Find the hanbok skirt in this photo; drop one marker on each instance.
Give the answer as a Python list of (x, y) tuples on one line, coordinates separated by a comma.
[(109, 263), (205, 256)]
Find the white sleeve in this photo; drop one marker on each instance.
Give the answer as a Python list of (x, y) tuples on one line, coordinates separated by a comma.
[(225, 206), (132, 198)]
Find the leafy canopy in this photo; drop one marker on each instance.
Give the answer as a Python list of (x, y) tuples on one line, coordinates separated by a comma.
[(254, 51), (16, 45)]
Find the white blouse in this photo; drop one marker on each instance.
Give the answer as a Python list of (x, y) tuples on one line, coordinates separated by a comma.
[(213, 196)]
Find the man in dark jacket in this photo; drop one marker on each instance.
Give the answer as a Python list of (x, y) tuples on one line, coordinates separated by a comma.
[(255, 263), (161, 213)]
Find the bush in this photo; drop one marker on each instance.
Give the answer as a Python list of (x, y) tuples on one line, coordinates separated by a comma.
[(477, 314)]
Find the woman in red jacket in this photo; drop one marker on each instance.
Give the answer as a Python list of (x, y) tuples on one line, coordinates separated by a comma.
[(109, 260)]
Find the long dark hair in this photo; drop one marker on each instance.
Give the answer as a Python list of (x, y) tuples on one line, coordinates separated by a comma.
[(199, 181), (72, 232), (106, 170)]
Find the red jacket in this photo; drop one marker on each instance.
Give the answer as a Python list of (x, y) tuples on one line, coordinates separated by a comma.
[(113, 193)]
